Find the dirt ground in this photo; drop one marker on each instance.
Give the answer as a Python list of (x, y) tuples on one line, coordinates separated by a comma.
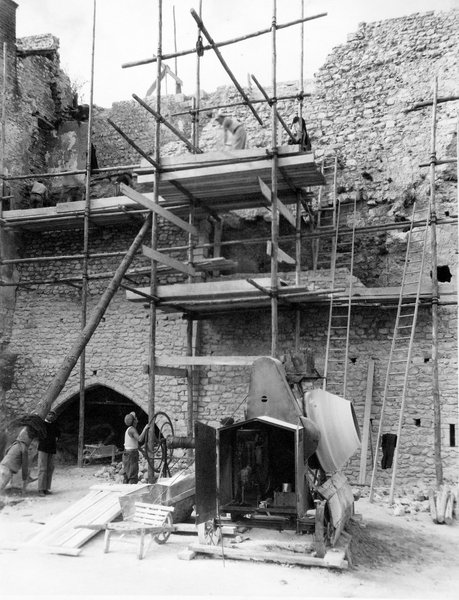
[(393, 557)]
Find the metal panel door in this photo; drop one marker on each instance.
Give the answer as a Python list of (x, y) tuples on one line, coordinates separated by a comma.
[(206, 472)]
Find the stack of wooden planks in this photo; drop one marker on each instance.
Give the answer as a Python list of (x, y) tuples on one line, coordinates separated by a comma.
[(63, 534)]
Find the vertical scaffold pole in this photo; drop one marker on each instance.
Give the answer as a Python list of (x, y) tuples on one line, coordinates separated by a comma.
[(154, 244), (433, 249), (298, 195), (274, 211), (87, 212)]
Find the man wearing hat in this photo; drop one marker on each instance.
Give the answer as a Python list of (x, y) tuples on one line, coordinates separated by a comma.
[(46, 454), (132, 440), (238, 134)]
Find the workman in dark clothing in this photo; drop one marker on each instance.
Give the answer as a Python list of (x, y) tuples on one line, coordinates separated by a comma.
[(46, 454), (300, 134)]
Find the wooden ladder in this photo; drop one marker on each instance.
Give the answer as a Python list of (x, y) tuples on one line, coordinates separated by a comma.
[(398, 368), (339, 316)]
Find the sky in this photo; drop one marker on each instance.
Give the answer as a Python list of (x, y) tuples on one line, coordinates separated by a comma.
[(127, 31)]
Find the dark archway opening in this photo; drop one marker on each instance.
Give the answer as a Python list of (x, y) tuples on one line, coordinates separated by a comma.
[(105, 410)]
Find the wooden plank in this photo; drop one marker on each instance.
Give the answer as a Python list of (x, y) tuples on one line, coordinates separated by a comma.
[(168, 260), (156, 208), (281, 255), (335, 559), (366, 421), (241, 361), (284, 211)]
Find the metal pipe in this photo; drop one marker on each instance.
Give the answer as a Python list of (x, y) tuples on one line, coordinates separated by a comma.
[(270, 102), (147, 61), (133, 144)]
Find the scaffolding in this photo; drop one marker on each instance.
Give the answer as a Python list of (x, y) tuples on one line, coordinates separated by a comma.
[(182, 193)]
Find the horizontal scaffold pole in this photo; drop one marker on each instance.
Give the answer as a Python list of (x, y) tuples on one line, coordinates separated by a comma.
[(298, 96), (430, 103), (133, 144), (75, 172), (162, 120), (224, 65), (242, 38), (82, 339)]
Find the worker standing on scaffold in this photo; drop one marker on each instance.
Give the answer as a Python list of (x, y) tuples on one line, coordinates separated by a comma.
[(238, 139)]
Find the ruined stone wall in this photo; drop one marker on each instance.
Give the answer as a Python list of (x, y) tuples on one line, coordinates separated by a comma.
[(357, 112)]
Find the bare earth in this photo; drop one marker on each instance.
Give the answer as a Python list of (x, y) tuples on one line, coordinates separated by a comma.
[(393, 557)]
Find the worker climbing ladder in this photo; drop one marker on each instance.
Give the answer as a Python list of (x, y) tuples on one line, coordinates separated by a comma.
[(398, 368), (339, 316)]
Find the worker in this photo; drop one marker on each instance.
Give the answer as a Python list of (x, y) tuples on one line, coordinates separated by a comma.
[(17, 458), (132, 441), (238, 137), (38, 195), (46, 454), (300, 134)]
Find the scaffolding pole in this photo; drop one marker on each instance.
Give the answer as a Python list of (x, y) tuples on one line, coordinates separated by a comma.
[(274, 209), (154, 245), (87, 214), (435, 295)]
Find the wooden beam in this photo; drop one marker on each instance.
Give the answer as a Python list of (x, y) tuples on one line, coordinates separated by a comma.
[(281, 255), (159, 210), (168, 260), (197, 361), (284, 211), (366, 421)]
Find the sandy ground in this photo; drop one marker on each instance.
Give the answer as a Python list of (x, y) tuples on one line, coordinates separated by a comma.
[(393, 557)]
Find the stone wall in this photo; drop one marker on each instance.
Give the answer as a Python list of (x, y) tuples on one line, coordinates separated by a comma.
[(357, 112)]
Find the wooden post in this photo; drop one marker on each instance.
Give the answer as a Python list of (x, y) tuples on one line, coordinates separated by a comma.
[(275, 216), (366, 421), (154, 245), (84, 336), (85, 265), (435, 294)]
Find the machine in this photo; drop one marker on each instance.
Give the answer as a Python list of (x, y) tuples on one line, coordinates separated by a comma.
[(280, 467)]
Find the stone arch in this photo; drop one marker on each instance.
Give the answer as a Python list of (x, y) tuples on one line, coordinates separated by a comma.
[(106, 404)]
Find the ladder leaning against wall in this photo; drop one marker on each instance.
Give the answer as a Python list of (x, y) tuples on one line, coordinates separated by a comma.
[(339, 316), (398, 368)]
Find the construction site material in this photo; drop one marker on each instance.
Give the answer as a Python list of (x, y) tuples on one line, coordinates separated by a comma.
[(442, 504), (153, 519), (64, 533), (333, 559)]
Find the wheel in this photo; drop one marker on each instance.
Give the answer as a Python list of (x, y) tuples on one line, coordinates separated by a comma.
[(163, 536), (162, 455)]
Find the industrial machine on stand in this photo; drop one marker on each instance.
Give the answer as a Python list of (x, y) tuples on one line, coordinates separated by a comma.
[(280, 466)]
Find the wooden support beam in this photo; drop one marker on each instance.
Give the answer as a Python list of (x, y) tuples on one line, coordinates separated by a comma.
[(281, 255), (366, 422), (159, 210), (284, 211), (168, 260), (199, 361)]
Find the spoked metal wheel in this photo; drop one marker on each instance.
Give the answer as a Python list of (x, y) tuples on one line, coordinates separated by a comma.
[(161, 538), (162, 455)]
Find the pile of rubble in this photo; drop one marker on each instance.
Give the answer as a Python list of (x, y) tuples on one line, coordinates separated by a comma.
[(114, 471)]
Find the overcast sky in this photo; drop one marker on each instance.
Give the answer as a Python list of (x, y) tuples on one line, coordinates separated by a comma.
[(127, 30)]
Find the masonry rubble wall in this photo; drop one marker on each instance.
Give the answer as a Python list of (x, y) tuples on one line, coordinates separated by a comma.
[(356, 112)]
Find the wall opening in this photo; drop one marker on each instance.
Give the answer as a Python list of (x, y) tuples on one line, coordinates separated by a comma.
[(452, 435), (105, 410), (444, 274), (417, 422)]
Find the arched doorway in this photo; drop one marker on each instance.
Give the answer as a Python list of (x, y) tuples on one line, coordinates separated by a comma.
[(105, 410)]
